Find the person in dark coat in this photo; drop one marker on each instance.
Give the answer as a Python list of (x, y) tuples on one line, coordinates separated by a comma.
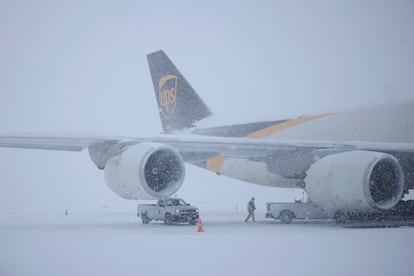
[(250, 208)]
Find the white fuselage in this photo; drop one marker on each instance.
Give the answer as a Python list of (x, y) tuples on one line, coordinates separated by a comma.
[(384, 124)]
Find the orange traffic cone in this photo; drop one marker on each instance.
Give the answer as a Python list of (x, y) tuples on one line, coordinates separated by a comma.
[(200, 226)]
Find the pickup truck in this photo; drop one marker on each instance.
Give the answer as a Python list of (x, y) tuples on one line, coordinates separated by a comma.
[(169, 210), (287, 211), (403, 212)]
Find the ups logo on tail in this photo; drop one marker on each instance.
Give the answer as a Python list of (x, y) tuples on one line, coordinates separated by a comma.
[(167, 92)]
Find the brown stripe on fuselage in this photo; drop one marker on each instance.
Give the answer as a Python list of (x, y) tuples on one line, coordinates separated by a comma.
[(214, 164), (276, 128)]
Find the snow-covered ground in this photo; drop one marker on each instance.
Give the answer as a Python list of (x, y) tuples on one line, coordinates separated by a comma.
[(101, 234), (116, 243)]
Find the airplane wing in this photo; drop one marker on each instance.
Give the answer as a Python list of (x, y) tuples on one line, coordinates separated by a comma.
[(200, 146), (48, 143), (290, 159), (251, 147)]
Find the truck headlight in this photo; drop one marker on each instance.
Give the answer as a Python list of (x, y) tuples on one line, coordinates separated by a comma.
[(177, 211), (196, 210)]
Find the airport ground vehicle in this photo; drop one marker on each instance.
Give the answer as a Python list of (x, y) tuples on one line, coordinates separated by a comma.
[(169, 210), (403, 212), (287, 211)]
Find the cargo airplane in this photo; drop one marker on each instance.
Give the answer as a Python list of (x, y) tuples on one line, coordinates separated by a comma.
[(360, 160)]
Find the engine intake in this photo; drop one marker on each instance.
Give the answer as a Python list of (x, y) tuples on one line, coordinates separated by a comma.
[(357, 181), (145, 171)]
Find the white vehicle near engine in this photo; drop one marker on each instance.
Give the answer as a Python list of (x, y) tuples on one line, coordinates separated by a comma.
[(169, 210), (287, 211)]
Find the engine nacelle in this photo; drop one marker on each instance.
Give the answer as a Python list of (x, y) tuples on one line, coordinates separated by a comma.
[(361, 181), (145, 171)]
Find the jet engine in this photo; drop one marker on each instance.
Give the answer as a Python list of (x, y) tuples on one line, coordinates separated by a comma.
[(145, 171), (361, 181)]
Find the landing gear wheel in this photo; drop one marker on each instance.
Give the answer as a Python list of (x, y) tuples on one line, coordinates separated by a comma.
[(286, 216), (342, 217)]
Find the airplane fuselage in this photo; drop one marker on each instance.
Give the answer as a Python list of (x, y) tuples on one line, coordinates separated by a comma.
[(383, 124)]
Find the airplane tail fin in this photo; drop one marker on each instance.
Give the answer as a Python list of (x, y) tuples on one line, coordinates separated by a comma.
[(179, 105)]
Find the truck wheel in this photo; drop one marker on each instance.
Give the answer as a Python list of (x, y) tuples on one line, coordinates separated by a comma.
[(286, 216), (145, 219), (168, 219), (192, 222)]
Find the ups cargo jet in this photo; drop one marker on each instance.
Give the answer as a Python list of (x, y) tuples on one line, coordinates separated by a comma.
[(360, 160)]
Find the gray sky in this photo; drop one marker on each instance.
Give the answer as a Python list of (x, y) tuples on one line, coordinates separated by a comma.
[(79, 67)]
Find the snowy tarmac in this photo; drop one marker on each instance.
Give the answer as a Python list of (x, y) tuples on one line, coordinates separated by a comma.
[(116, 243)]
